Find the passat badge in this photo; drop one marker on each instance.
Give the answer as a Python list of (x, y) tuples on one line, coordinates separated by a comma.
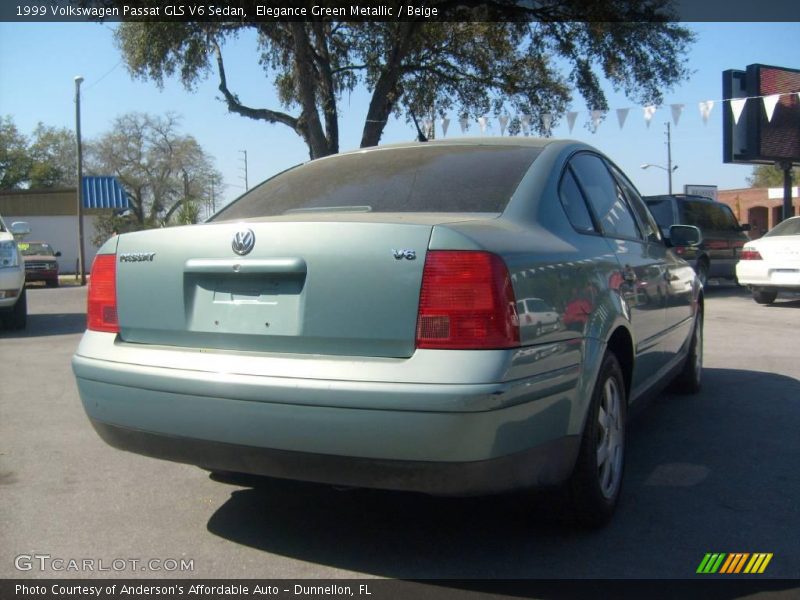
[(243, 241)]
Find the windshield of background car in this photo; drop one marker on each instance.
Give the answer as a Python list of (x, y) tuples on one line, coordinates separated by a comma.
[(35, 249), (436, 178), (789, 227), (662, 212)]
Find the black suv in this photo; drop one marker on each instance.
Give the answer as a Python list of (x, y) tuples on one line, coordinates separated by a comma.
[(723, 237)]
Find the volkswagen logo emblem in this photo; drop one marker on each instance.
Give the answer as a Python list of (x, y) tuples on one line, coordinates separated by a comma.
[(243, 241)]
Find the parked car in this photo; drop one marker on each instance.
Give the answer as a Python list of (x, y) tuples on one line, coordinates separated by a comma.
[(771, 264), (353, 321), (13, 300), (723, 237), (536, 313), (40, 262)]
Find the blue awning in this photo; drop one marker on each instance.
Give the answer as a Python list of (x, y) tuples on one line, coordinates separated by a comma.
[(104, 192)]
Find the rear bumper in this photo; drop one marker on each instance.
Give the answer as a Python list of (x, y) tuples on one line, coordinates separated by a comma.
[(546, 465), (761, 274), (455, 439)]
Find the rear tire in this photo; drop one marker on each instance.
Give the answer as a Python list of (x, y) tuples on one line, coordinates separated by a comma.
[(595, 484), (18, 317), (690, 379), (765, 296)]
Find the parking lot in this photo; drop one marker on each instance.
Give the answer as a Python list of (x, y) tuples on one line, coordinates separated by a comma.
[(716, 472)]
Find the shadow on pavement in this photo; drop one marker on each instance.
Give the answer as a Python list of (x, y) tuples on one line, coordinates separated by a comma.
[(705, 473), (40, 325)]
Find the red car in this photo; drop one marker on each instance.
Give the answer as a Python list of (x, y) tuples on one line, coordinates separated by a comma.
[(40, 262)]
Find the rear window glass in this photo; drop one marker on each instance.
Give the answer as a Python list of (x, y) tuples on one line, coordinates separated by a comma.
[(662, 211), (435, 178), (710, 216), (789, 227)]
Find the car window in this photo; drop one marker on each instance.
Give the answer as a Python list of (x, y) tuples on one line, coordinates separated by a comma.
[(436, 178), (605, 197), (788, 227), (535, 305), (646, 220), (36, 248), (698, 214), (575, 204), (726, 220), (662, 212)]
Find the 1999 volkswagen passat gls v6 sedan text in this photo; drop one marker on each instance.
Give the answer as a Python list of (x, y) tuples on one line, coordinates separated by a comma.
[(353, 321)]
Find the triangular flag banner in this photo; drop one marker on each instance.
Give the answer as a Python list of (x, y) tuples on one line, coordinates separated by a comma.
[(649, 111), (445, 123), (677, 109), (571, 116), (622, 114), (428, 125), (483, 122), (503, 123), (596, 116), (737, 106), (705, 110), (547, 121), (770, 102), (525, 122), (464, 122)]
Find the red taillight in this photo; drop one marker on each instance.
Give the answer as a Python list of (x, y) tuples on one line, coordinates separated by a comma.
[(102, 305), (466, 302), (750, 254)]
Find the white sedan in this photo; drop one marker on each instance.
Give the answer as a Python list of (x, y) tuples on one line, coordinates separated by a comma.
[(771, 264)]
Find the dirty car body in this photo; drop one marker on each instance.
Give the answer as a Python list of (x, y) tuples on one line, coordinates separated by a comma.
[(353, 321)]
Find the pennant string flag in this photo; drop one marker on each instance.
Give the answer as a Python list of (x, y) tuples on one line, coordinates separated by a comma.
[(596, 116), (622, 114), (705, 110), (737, 106), (445, 123), (547, 121), (483, 122), (770, 102), (503, 123), (464, 123), (677, 109), (649, 111), (525, 122), (571, 116)]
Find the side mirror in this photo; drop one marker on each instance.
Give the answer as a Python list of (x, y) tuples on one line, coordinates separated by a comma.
[(744, 227), (685, 235), (58, 254), (20, 228)]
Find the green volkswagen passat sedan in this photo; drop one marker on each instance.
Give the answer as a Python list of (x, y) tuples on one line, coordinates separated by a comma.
[(353, 321)]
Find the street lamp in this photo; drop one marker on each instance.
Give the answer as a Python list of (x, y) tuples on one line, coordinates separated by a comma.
[(81, 255), (669, 172)]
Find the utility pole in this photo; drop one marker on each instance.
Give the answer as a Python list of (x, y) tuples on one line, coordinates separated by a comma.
[(81, 254), (788, 208), (246, 185), (669, 157)]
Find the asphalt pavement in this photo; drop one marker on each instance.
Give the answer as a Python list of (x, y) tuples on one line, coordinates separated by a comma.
[(715, 472)]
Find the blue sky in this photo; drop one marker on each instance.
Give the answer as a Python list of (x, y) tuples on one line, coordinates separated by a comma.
[(39, 61)]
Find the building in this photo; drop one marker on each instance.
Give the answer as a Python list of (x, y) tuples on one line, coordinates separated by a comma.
[(762, 208), (53, 215)]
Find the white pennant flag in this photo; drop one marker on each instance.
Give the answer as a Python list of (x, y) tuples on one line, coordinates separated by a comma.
[(571, 116), (770, 102), (677, 110), (547, 121), (503, 123), (464, 122), (525, 122), (483, 122), (737, 106), (596, 116), (705, 110), (622, 114), (649, 111), (445, 123), (428, 125)]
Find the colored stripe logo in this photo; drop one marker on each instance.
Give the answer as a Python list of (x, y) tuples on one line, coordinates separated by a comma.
[(734, 563)]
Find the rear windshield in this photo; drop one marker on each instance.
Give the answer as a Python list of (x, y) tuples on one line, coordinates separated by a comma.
[(435, 178), (662, 212), (788, 227)]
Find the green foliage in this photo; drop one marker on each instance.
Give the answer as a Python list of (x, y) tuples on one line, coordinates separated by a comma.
[(46, 160), (770, 176), (505, 57), (160, 168)]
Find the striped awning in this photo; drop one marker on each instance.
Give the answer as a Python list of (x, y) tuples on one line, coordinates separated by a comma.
[(103, 192)]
